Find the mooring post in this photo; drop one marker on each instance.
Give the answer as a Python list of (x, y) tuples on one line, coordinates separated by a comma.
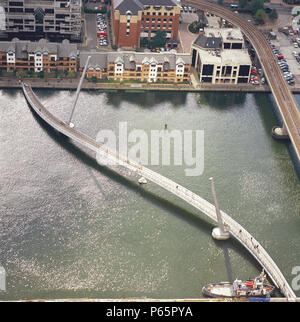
[(218, 232)]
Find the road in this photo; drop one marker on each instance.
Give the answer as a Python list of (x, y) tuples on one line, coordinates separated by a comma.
[(280, 90)]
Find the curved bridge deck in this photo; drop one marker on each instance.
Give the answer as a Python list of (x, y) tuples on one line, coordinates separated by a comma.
[(235, 229), (280, 90)]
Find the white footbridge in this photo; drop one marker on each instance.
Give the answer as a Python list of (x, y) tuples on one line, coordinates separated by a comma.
[(231, 226)]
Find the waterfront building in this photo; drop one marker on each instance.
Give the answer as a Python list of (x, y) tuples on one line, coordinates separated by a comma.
[(136, 19), (36, 19), (220, 56), (17, 55), (165, 67)]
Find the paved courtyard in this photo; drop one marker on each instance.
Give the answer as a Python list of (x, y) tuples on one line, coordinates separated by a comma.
[(186, 37)]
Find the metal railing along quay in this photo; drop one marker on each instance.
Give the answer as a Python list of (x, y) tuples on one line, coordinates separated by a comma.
[(235, 229)]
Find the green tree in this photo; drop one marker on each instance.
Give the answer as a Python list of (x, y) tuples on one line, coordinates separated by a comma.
[(273, 14), (220, 2), (159, 39), (242, 3), (144, 42), (94, 79), (256, 5), (260, 16), (41, 74)]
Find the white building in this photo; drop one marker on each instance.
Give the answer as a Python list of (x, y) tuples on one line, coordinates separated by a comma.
[(220, 56)]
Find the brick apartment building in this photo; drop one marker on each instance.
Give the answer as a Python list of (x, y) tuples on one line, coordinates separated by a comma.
[(24, 55), (136, 19), (28, 19), (169, 67)]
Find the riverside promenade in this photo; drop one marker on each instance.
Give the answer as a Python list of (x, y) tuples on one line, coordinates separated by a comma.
[(53, 83)]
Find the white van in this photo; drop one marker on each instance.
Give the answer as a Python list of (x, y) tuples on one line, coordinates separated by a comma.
[(234, 6)]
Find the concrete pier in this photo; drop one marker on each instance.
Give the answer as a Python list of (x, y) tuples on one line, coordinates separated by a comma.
[(280, 133)]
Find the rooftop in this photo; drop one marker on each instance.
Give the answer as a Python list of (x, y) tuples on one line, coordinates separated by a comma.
[(135, 5), (213, 38), (130, 58), (22, 47), (226, 57)]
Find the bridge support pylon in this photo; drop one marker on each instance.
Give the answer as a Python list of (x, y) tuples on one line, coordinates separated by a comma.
[(218, 233), (280, 133)]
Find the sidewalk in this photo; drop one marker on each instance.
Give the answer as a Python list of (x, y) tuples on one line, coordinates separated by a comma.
[(137, 87)]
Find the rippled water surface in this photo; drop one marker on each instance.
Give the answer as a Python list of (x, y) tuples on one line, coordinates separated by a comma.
[(70, 228)]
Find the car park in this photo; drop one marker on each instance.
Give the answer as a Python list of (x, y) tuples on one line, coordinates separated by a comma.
[(101, 30)]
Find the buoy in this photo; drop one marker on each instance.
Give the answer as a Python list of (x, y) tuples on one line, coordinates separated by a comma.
[(142, 180)]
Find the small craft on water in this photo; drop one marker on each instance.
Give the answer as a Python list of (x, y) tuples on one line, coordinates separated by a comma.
[(142, 180), (257, 287)]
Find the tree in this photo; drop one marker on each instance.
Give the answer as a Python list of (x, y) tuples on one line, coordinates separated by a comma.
[(220, 2), (159, 39), (256, 5), (144, 42), (273, 14), (260, 16), (41, 74), (195, 26), (242, 3)]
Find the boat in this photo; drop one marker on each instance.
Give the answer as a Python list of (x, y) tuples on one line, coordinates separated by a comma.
[(257, 287)]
